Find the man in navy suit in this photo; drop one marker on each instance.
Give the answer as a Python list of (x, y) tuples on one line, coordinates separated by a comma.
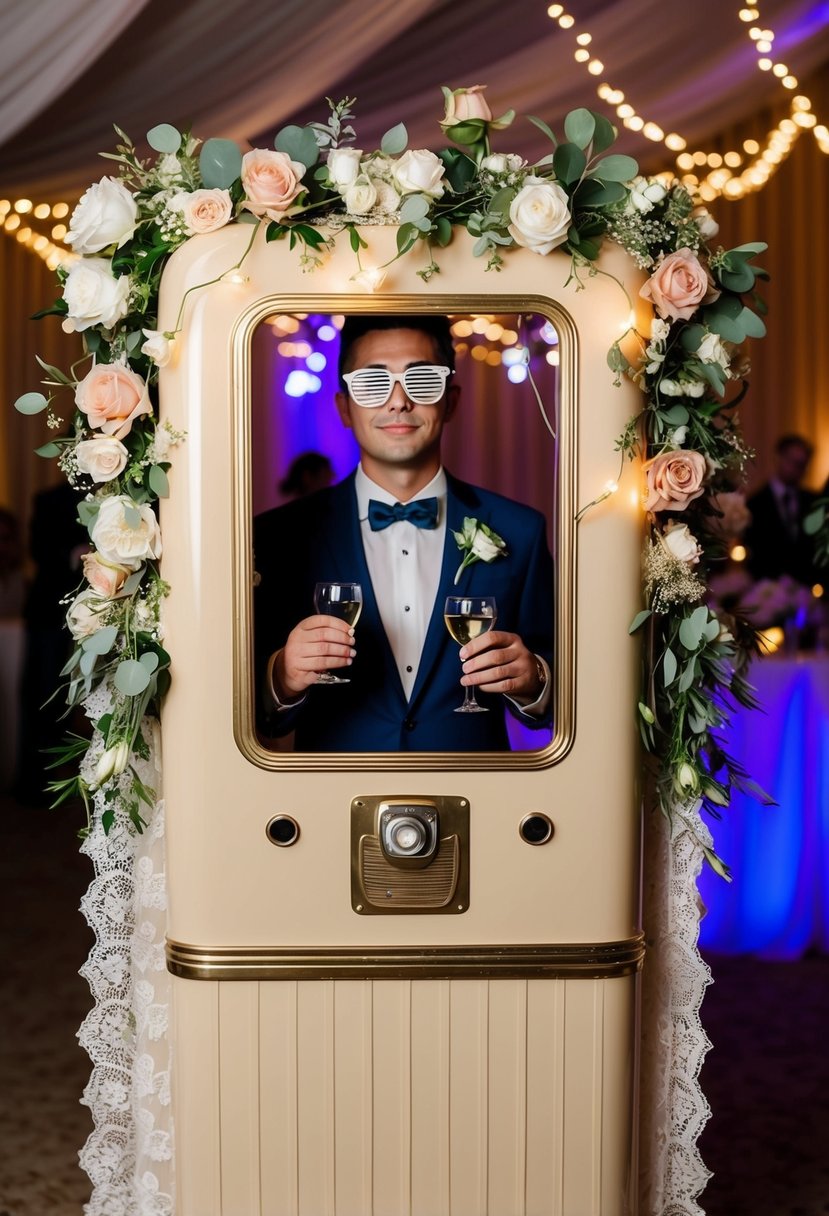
[(390, 527), (776, 542)]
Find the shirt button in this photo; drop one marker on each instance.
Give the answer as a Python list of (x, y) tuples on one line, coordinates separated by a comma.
[(407, 608), (405, 552), (408, 669), (410, 724)]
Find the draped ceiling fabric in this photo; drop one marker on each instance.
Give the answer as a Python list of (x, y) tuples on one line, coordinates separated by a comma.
[(69, 69)]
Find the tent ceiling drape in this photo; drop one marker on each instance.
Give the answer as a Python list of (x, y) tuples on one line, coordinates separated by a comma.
[(70, 68)]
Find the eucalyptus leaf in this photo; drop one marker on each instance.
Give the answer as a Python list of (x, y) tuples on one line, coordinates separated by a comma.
[(615, 168), (579, 126), (133, 582), (300, 143), (677, 415), (149, 660), (692, 336), (164, 138), (569, 163), (88, 512), (131, 678), (55, 372), (424, 225), (726, 327), (395, 140), (690, 632), (159, 483), (750, 247), (480, 247), (414, 207), (687, 677), (132, 516), (100, 642), (134, 340), (813, 522), (697, 725), (711, 630), (639, 619), (728, 304), (31, 403), (47, 450), (406, 237), (443, 231), (669, 666), (88, 660), (740, 279), (220, 163), (595, 193), (604, 135), (752, 324), (542, 126)]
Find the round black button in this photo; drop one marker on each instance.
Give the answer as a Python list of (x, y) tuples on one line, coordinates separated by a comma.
[(410, 724), (408, 669), (407, 608), (283, 831), (536, 829)]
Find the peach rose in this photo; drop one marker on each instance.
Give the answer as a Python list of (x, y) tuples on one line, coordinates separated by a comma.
[(463, 104), (112, 396), (203, 210), (679, 285), (104, 578), (271, 181), (674, 480)]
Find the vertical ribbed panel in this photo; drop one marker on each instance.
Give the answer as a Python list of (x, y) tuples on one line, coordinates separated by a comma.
[(408, 1098)]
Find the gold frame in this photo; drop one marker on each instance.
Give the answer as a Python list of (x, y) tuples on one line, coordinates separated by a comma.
[(564, 677)]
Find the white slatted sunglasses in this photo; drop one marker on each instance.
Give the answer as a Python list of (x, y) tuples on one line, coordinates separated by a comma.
[(372, 387)]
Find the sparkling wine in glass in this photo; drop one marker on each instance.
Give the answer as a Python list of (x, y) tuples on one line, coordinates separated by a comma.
[(467, 617), (344, 600)]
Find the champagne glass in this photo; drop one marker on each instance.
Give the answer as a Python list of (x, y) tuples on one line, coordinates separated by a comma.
[(467, 617), (344, 600)]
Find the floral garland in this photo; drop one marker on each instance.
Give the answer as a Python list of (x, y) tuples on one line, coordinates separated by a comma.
[(311, 187)]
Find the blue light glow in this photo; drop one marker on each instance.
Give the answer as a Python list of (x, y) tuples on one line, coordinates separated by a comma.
[(517, 373), (299, 383), (326, 333), (316, 361)]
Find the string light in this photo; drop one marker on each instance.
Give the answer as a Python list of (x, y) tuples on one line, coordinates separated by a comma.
[(721, 178), (45, 242)]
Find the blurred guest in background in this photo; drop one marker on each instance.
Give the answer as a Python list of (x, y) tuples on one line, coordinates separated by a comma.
[(12, 594), (309, 472), (12, 582), (775, 540), (56, 544)]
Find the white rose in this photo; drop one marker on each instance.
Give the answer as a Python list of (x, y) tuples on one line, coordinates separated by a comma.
[(84, 616), (503, 162), (484, 548), (659, 329), (388, 200), (126, 534), (694, 388), (540, 215), (168, 169), (343, 167), (102, 458), (106, 215), (379, 165), (670, 388), (711, 350), (360, 197), (682, 544), (645, 194), (158, 347), (419, 171), (707, 225), (677, 436), (94, 295)]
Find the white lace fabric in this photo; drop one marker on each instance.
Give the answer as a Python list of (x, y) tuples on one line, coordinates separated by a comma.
[(129, 1154)]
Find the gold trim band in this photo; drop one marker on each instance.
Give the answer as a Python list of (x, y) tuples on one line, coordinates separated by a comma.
[(604, 960)]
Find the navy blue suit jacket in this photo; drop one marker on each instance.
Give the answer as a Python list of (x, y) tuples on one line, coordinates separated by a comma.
[(317, 539)]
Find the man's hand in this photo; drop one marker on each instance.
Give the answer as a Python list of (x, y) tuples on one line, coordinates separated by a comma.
[(500, 662), (317, 644)]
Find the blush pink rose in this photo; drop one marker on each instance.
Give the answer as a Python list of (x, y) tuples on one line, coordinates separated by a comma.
[(674, 480), (204, 210), (463, 104), (112, 396), (271, 181), (679, 285), (104, 578)]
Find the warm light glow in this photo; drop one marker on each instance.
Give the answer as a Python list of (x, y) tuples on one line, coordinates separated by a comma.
[(685, 161), (780, 69), (625, 110), (714, 160), (733, 159), (42, 211), (584, 39), (493, 332), (480, 325), (60, 210), (23, 206), (765, 65), (804, 119), (595, 67), (652, 130), (635, 123), (763, 46), (738, 553), (58, 232), (675, 142), (40, 243), (508, 337), (610, 487), (817, 591), (635, 498), (462, 329), (555, 10), (493, 358), (479, 353), (565, 21), (12, 222), (552, 357), (234, 276), (581, 56), (751, 146), (771, 639), (790, 82)]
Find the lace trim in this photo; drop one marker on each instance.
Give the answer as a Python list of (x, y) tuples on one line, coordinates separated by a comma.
[(129, 1154), (674, 1109)]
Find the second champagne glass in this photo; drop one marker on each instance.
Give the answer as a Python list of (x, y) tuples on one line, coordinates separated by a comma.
[(467, 617), (344, 600)]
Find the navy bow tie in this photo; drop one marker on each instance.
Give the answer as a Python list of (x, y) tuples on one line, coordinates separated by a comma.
[(423, 513)]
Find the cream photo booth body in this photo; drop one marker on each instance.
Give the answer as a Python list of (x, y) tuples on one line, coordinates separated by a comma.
[(474, 1052)]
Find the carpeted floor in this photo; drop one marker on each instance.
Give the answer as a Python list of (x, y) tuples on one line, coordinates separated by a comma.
[(767, 1077)]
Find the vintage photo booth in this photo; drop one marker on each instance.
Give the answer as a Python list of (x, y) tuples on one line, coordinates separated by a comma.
[(475, 1051)]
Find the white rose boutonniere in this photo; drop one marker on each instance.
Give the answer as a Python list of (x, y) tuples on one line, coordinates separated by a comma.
[(478, 543)]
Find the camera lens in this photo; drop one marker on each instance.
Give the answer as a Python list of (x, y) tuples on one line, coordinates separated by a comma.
[(407, 835)]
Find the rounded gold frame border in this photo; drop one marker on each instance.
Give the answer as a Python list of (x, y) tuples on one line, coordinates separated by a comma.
[(564, 691), (603, 960)]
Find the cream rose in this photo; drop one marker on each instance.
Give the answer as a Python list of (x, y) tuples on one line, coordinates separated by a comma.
[(106, 215), (104, 579), (388, 200), (681, 543), (360, 197), (679, 285), (419, 171), (707, 225), (271, 181), (102, 458), (158, 347), (540, 215), (503, 162), (112, 396), (463, 104), (203, 210), (674, 479), (85, 614), (94, 296), (126, 534), (485, 548), (343, 166), (711, 350), (111, 763)]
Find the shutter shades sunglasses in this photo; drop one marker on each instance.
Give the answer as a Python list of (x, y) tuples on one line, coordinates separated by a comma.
[(372, 387)]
